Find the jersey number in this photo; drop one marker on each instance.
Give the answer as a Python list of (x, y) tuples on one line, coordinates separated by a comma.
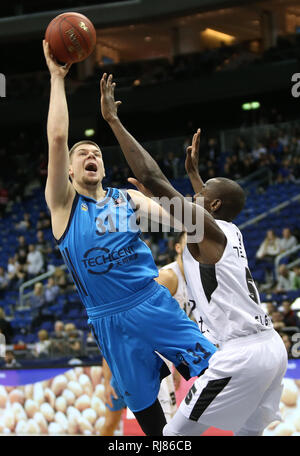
[(251, 286)]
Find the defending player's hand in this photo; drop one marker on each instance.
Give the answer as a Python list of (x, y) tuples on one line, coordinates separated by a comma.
[(176, 379), (192, 154), (109, 107), (109, 393), (54, 67), (141, 188)]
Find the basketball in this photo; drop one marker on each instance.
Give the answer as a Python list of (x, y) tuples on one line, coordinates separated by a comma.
[(71, 37)]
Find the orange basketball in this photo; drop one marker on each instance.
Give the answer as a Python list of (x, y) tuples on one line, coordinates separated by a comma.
[(71, 37)]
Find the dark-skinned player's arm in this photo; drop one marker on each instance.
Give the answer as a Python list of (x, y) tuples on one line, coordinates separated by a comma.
[(192, 163), (58, 186), (150, 175)]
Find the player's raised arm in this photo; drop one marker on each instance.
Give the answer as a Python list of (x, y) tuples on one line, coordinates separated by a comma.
[(150, 175), (192, 163), (58, 187)]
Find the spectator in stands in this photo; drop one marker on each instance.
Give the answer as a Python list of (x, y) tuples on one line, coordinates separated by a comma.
[(288, 344), (284, 172), (269, 248), (10, 360), (296, 280), (60, 279), (267, 253), (44, 221), (270, 308), (290, 317), (90, 339), (12, 267), (35, 261), (5, 327), (259, 151), (22, 250), (4, 199), (59, 330), (4, 281), (51, 291), (58, 339), (288, 241), (24, 224), (37, 302), (74, 340), (42, 347), (277, 320), (285, 279), (42, 245), (16, 273)]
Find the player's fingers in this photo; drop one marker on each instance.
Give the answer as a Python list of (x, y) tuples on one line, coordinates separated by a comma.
[(109, 79), (118, 103), (102, 82), (197, 141), (46, 48), (114, 394), (133, 181), (109, 401), (68, 66)]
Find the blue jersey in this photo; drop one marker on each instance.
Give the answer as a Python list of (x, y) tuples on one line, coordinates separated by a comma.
[(102, 249)]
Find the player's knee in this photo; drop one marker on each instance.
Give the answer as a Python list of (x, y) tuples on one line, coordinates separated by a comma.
[(169, 430), (244, 432)]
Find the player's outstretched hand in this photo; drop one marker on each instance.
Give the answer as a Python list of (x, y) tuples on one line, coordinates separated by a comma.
[(109, 393), (53, 65), (109, 107), (192, 154), (141, 188)]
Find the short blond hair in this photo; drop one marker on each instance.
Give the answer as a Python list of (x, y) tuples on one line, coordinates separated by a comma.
[(43, 334), (85, 141)]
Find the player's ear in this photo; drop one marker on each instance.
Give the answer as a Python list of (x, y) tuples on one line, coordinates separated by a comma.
[(215, 205), (71, 173), (177, 248)]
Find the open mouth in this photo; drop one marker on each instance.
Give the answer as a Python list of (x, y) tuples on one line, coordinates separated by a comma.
[(92, 167)]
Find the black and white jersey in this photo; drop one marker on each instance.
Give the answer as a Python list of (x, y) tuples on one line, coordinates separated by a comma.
[(224, 295)]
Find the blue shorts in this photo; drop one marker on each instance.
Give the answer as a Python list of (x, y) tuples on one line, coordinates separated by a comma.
[(118, 404), (129, 335)]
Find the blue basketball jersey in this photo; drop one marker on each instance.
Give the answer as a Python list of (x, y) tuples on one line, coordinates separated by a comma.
[(103, 251)]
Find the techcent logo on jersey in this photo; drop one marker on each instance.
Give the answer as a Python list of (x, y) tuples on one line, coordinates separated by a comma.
[(100, 260)]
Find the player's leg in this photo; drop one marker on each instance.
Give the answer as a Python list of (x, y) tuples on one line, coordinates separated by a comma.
[(112, 421), (181, 425), (152, 419), (113, 414), (177, 338), (268, 408), (167, 396), (244, 432), (135, 367)]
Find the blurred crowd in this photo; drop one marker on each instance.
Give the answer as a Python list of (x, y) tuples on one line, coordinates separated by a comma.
[(272, 247), (160, 70)]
